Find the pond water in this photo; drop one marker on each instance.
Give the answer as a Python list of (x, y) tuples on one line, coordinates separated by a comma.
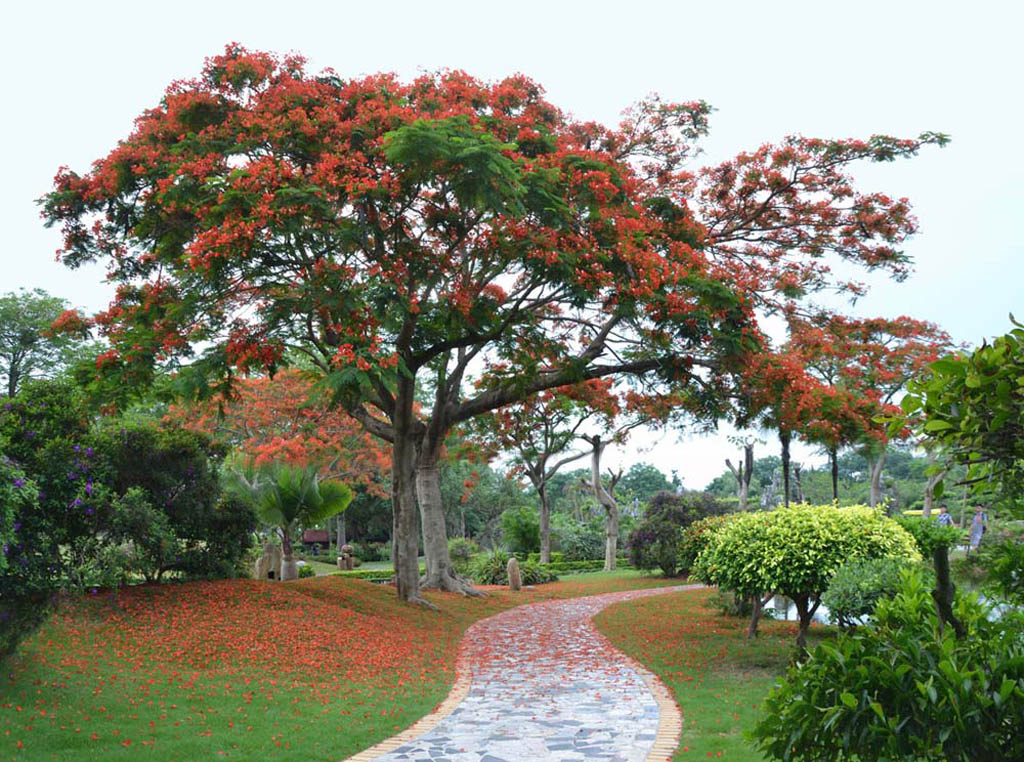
[(783, 608)]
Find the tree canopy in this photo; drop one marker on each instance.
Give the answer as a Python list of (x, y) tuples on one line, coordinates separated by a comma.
[(401, 234), (28, 345)]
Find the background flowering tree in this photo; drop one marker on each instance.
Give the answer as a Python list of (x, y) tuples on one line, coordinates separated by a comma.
[(863, 364), (398, 235), (541, 433), (287, 419)]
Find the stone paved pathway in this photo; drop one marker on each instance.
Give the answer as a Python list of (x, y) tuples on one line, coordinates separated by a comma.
[(546, 686)]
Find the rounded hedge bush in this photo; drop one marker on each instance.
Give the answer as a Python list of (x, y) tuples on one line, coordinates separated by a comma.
[(796, 551)]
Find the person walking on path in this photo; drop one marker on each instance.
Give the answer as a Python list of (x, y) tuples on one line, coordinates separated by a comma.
[(944, 519), (977, 528)]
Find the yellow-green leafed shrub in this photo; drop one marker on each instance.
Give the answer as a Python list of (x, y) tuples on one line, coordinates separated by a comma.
[(796, 551)]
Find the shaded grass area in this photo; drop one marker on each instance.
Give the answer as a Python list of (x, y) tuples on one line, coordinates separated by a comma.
[(718, 677), (315, 669), (322, 567)]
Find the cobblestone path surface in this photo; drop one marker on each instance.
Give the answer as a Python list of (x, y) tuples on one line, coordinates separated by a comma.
[(546, 686)]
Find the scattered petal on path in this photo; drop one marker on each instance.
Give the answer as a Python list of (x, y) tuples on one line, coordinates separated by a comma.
[(545, 686)]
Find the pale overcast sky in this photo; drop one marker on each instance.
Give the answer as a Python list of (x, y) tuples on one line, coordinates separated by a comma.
[(79, 73)]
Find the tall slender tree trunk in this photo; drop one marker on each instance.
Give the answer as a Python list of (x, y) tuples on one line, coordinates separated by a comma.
[(929, 487), (545, 525), (13, 375), (833, 461), (743, 473), (784, 438), (875, 465), (798, 482), (607, 501), (440, 574)]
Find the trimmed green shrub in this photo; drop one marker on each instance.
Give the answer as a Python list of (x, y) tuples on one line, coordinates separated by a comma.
[(796, 551), (534, 573), (582, 566), (371, 575), (930, 534), (902, 687), (461, 551), (556, 557), (859, 585), (306, 571), (696, 537), (578, 541)]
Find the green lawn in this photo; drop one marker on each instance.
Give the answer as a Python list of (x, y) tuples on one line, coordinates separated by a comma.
[(718, 677), (315, 669)]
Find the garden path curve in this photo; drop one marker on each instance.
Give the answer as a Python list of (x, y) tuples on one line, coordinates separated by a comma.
[(539, 683)]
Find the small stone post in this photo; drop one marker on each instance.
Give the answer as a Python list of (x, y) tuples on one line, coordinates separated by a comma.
[(515, 581)]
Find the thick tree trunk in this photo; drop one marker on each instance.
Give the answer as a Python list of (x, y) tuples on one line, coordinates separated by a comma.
[(405, 543), (833, 461), (876, 465), (545, 525), (13, 375), (440, 574), (784, 438), (755, 617), (744, 494)]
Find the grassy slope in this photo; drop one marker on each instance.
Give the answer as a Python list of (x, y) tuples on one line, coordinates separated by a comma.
[(311, 670), (718, 677)]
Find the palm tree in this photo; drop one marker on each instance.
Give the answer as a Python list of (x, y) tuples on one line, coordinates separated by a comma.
[(290, 496)]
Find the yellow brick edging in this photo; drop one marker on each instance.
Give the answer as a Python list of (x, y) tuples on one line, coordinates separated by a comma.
[(459, 691), (670, 719)]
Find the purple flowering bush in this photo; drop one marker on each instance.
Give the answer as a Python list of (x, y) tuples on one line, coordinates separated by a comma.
[(86, 504), (658, 539)]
